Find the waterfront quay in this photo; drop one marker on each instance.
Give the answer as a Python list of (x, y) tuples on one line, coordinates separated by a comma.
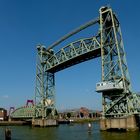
[(16, 123)]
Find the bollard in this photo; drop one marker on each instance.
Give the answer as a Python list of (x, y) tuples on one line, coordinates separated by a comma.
[(89, 127), (7, 134)]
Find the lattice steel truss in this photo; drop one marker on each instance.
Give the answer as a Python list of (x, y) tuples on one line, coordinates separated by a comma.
[(74, 53), (44, 91), (116, 103), (49, 62), (109, 45)]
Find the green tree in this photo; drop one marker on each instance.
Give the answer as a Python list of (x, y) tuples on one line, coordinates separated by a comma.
[(68, 114)]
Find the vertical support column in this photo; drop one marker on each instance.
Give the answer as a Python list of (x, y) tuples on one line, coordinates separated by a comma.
[(44, 90), (50, 95), (114, 67), (102, 57), (40, 83)]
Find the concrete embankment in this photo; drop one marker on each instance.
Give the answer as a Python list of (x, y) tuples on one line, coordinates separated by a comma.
[(60, 121), (8, 123)]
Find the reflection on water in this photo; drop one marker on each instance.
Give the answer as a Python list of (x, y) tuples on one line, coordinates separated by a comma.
[(67, 132), (120, 135)]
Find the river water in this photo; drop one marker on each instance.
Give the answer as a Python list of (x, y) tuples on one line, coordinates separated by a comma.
[(67, 132)]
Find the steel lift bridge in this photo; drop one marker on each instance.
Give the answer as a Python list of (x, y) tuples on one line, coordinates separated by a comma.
[(117, 98)]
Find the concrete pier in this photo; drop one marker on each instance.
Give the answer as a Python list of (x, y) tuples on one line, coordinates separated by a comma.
[(44, 122), (128, 123)]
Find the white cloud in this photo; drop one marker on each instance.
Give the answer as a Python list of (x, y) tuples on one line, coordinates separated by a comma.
[(5, 96)]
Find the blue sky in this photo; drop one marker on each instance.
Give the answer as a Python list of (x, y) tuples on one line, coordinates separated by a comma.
[(26, 23)]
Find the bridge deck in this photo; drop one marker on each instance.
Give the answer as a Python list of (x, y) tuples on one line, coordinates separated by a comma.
[(78, 59)]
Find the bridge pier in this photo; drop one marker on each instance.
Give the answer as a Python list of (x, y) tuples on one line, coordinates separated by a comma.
[(129, 123), (44, 122)]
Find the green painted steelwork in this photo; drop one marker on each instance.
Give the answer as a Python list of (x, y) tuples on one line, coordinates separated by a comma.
[(44, 92), (49, 62), (108, 44), (26, 112), (114, 68), (74, 53), (86, 25)]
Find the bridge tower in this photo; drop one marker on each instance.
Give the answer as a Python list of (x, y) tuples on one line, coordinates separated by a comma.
[(115, 75), (44, 90), (118, 101)]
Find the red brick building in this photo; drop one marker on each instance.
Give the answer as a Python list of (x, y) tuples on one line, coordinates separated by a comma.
[(3, 114)]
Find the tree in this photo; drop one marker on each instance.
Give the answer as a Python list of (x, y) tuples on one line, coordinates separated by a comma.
[(68, 114)]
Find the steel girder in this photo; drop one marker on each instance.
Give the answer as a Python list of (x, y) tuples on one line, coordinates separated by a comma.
[(124, 105), (74, 53), (26, 112), (44, 90), (114, 68), (109, 45), (82, 27), (49, 62)]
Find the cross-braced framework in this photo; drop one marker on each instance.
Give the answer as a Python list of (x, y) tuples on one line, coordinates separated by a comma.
[(117, 97), (49, 62), (44, 91), (116, 101)]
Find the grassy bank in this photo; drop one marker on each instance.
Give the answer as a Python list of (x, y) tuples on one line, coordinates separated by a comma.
[(84, 120)]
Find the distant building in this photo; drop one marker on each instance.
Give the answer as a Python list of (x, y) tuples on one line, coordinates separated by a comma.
[(3, 114), (82, 112)]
